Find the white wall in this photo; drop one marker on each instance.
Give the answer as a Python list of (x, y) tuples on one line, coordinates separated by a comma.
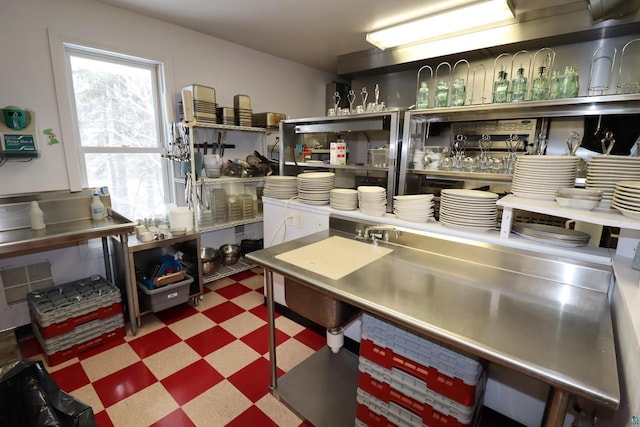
[(26, 80)]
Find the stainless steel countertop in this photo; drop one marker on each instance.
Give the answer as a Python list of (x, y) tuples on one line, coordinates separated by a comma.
[(24, 240), (559, 333)]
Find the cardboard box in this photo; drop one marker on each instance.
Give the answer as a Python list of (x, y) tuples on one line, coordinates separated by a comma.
[(338, 153)]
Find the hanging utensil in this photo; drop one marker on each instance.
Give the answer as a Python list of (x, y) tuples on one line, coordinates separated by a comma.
[(607, 143), (364, 95), (224, 141), (376, 92), (336, 102), (573, 142), (351, 97)]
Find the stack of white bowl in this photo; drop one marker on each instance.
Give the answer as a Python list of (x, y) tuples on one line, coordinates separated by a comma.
[(539, 177), (372, 200), (314, 187), (626, 198), (414, 208), (603, 172), (418, 159), (468, 209), (578, 198), (280, 187), (344, 199)]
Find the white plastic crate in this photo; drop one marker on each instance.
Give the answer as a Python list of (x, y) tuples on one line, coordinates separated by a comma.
[(421, 350), (74, 299)]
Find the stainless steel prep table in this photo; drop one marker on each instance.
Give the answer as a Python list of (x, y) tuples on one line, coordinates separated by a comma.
[(484, 300), (68, 223)]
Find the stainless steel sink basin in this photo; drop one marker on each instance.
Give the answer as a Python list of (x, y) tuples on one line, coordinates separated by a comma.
[(317, 306)]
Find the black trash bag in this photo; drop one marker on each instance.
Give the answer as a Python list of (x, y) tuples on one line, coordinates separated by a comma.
[(30, 397)]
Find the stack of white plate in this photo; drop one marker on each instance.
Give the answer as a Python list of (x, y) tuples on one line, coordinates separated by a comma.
[(372, 200), (603, 172), (280, 187), (538, 177), (344, 199), (626, 198), (552, 235), (469, 209), (415, 207), (314, 187)]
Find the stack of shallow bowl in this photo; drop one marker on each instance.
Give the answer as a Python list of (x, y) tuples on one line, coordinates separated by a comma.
[(626, 198), (344, 199), (414, 208), (578, 198), (280, 187), (468, 209), (314, 187), (550, 234), (539, 177), (372, 200), (603, 172)]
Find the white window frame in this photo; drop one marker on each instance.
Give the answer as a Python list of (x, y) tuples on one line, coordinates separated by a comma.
[(61, 48)]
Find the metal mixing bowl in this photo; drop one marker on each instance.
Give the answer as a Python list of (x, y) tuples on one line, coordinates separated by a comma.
[(211, 260), (230, 253)]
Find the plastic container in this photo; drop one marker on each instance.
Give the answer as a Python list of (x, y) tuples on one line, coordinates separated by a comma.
[(36, 216), (379, 157), (165, 297), (181, 217), (97, 208), (212, 165)]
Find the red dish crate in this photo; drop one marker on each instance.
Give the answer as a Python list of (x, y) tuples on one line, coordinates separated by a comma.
[(451, 387), (75, 350), (374, 412), (55, 329), (394, 385)]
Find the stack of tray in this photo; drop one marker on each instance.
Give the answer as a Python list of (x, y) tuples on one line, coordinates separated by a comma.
[(405, 379), (73, 317)]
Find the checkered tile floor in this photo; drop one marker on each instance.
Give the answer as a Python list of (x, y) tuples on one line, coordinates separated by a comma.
[(191, 366)]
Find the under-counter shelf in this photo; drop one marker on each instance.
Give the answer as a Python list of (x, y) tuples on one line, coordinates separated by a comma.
[(204, 228), (227, 270), (608, 217), (462, 175)]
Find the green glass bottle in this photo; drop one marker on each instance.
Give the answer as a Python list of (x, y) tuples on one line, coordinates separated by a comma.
[(519, 87), (540, 85), (458, 93), (422, 99), (501, 88), (442, 94)]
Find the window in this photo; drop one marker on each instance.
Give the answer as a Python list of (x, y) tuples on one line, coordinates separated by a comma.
[(117, 121)]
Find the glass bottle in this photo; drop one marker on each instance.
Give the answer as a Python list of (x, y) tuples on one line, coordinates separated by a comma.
[(519, 86), (540, 86), (553, 84), (570, 82), (442, 94), (422, 99), (501, 88), (458, 93)]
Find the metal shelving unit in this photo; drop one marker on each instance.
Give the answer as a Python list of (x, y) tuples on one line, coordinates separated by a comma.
[(228, 270), (222, 226)]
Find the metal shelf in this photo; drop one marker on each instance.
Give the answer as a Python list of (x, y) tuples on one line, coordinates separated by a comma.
[(204, 228), (228, 270), (460, 175), (223, 180), (323, 166), (230, 127)]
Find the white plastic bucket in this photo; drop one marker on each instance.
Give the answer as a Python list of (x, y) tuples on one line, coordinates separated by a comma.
[(181, 217)]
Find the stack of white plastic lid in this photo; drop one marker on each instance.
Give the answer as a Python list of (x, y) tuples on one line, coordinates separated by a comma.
[(538, 177), (372, 200), (469, 209), (626, 198), (314, 187), (415, 207), (280, 187), (603, 172), (344, 199)]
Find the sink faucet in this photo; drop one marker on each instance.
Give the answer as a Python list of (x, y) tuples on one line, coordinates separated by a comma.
[(374, 233)]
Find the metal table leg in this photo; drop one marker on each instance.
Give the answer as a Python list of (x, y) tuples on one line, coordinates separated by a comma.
[(273, 381), (133, 319), (556, 408), (107, 260)]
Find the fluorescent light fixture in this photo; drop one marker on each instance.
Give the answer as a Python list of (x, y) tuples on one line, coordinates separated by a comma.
[(476, 14)]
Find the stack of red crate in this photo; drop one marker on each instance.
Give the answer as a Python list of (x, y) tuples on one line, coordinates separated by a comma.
[(73, 317), (408, 380)]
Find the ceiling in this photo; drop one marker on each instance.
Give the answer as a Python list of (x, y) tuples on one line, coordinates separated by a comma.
[(310, 32)]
